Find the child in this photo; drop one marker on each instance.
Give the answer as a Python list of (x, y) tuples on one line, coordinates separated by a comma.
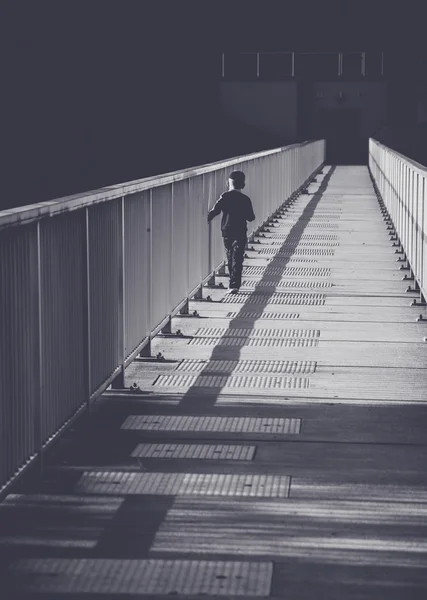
[(236, 209)]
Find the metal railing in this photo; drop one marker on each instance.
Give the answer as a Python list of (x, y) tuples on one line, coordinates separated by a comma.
[(282, 65), (401, 184), (88, 280)]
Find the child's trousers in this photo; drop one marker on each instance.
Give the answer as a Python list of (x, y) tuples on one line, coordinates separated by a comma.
[(235, 248)]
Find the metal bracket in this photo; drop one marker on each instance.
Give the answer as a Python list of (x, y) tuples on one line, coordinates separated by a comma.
[(135, 389)]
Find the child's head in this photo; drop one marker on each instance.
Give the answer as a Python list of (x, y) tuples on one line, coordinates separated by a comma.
[(236, 180)]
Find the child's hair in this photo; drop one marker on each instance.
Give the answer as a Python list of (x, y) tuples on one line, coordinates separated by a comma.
[(238, 178)]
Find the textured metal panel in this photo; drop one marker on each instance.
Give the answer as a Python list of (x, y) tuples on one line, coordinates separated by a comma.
[(288, 272), (18, 347), (142, 577), (302, 224), (195, 451), (314, 220), (220, 381), (288, 259), (263, 425), (161, 254), (308, 225), (52, 523), (293, 283), (248, 366), (137, 269), (305, 238), (265, 343), (105, 267), (316, 215), (220, 332), (63, 281), (284, 244), (307, 251), (183, 484), (276, 298), (261, 315)]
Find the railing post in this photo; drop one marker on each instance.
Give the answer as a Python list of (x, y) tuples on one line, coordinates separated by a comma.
[(146, 350), (86, 304), (119, 380), (38, 388)]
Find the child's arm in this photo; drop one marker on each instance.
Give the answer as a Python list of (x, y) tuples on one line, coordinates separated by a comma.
[(215, 210), (250, 215)]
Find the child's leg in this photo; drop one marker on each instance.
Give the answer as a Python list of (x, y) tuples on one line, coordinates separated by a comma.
[(239, 246), (228, 244)]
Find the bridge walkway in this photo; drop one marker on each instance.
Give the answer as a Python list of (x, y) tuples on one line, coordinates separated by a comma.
[(276, 445)]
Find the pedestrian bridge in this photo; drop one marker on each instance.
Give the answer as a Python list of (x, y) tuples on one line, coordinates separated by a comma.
[(160, 436)]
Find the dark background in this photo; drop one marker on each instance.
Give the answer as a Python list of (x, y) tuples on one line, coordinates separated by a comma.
[(100, 92)]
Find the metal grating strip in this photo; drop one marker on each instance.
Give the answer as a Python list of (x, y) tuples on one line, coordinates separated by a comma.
[(183, 484), (304, 238), (289, 271), (195, 451), (240, 381), (221, 332), (279, 259), (308, 225), (314, 220), (262, 315), (248, 366), (316, 215), (213, 424), (141, 577), (293, 283), (308, 251), (275, 298), (284, 244), (265, 343)]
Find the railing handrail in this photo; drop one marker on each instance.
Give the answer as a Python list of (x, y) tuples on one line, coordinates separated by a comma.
[(418, 166), (33, 212)]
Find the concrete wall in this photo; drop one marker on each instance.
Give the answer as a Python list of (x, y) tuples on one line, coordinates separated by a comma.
[(267, 107)]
